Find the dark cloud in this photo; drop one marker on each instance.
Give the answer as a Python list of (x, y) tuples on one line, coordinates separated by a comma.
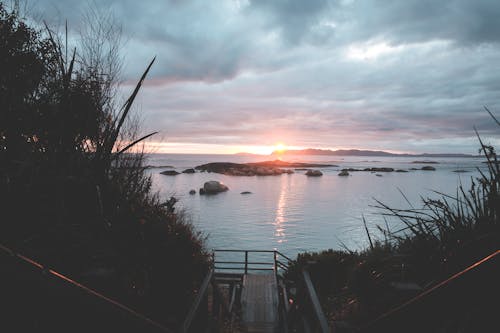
[(461, 21), (401, 75), (297, 20)]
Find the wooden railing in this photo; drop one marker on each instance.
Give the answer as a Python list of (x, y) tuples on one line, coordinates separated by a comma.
[(467, 301), (240, 263), (198, 313), (230, 262), (313, 318), (278, 263), (37, 298)]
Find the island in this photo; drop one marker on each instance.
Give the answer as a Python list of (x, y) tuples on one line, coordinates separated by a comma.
[(265, 168), (357, 152)]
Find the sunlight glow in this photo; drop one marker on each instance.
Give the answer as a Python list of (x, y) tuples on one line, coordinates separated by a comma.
[(209, 148), (279, 148), (371, 51)]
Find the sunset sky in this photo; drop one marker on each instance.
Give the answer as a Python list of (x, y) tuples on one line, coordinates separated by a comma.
[(230, 76)]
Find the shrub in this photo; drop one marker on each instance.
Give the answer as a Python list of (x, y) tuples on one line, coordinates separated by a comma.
[(445, 236), (71, 195)]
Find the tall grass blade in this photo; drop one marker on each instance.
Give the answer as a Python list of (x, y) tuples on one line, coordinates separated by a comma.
[(133, 144)]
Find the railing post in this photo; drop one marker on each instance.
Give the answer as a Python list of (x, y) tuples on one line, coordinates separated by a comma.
[(246, 262), (275, 262), (215, 303), (213, 257)]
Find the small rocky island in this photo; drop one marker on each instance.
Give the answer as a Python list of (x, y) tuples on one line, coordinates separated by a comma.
[(266, 168), (213, 187)]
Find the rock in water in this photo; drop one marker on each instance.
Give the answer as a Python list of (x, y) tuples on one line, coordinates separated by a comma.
[(344, 173), (314, 173), (169, 173), (192, 192), (379, 169), (213, 187), (246, 192), (190, 170), (428, 168)]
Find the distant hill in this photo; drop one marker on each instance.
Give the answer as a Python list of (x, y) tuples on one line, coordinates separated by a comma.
[(357, 152)]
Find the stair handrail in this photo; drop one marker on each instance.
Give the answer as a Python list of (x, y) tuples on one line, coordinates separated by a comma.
[(195, 307), (65, 281), (316, 306), (490, 261), (248, 265)]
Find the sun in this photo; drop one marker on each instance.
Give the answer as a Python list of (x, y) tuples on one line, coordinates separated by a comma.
[(279, 148)]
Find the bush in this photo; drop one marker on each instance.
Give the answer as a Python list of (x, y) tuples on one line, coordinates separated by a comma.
[(71, 195), (444, 237)]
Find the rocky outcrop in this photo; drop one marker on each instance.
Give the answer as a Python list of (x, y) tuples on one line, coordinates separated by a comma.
[(379, 169), (190, 170), (158, 167), (425, 162), (284, 164), (344, 173), (246, 169), (169, 173), (370, 170), (246, 192), (192, 192), (314, 173), (428, 168), (213, 187)]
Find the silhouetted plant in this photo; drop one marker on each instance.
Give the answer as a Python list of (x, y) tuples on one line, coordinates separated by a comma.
[(71, 194), (447, 235)]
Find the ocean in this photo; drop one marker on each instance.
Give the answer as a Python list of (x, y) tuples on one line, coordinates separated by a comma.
[(294, 213)]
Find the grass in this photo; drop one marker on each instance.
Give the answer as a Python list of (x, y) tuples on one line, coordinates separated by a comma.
[(443, 237), (72, 195)]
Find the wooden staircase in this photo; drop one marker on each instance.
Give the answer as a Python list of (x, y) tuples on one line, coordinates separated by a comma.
[(259, 303), (249, 294)]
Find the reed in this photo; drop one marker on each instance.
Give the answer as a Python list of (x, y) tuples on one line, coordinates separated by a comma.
[(73, 196), (437, 240)]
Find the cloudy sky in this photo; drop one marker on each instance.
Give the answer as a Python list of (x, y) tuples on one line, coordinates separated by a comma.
[(404, 76)]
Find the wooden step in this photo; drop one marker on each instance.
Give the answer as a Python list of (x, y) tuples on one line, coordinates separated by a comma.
[(259, 301)]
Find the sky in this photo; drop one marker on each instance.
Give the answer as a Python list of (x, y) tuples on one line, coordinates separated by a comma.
[(232, 76)]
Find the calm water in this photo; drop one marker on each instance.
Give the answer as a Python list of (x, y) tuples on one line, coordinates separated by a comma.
[(295, 213)]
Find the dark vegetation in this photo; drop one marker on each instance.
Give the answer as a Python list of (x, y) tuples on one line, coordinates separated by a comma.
[(442, 238), (72, 196)]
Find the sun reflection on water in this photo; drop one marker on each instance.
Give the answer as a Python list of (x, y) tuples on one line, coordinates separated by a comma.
[(279, 221)]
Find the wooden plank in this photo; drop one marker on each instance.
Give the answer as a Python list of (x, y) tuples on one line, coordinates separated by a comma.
[(259, 300)]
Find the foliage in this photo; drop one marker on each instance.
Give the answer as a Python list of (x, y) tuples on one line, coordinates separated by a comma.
[(71, 195), (444, 237)]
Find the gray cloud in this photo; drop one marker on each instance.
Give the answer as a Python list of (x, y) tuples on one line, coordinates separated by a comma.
[(401, 75), (461, 21)]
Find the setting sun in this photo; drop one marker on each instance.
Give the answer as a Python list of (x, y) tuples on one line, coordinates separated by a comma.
[(279, 148)]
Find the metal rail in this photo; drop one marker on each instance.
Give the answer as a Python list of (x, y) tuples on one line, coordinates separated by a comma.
[(247, 265), (279, 263), (59, 302), (319, 316), (472, 290), (194, 311)]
